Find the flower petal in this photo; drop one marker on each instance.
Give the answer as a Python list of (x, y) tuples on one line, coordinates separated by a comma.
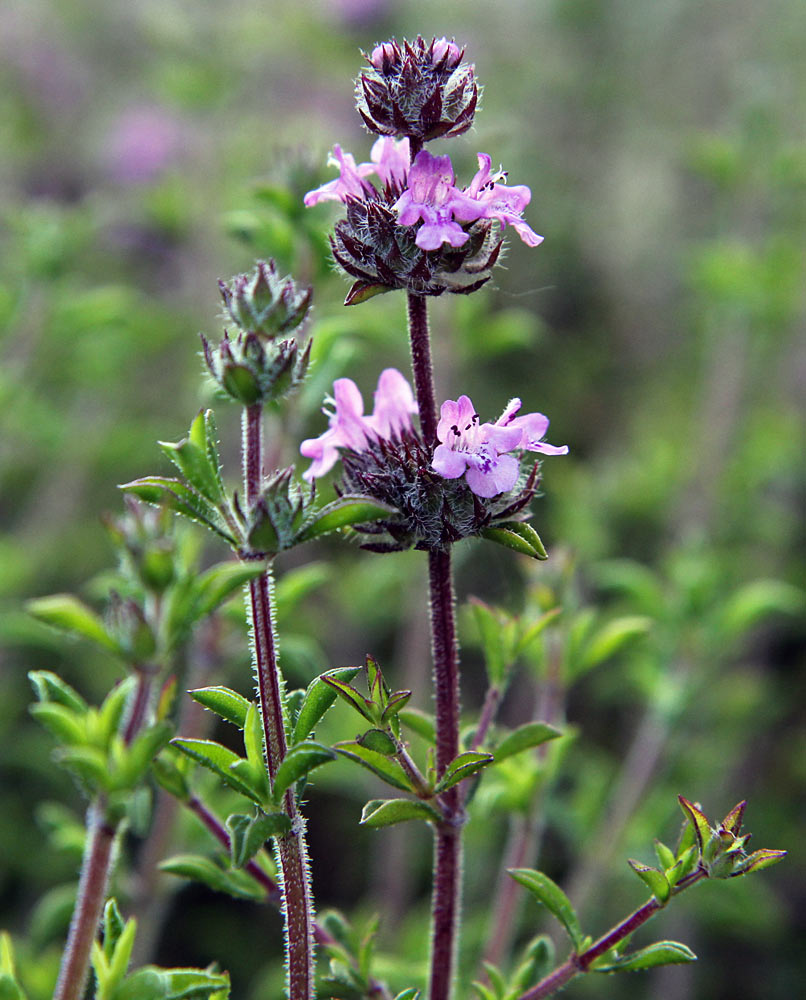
[(448, 463), (498, 475)]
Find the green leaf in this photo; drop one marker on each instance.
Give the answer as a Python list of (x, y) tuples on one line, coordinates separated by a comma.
[(342, 513), (153, 983), (193, 459), (170, 777), (379, 741), (224, 702), (698, 819), (685, 864), (397, 701), (220, 761), (665, 855), (253, 738), (206, 871), (318, 699), (67, 613), (660, 953), (360, 291), (462, 767), (89, 764), (755, 601), (299, 760), (517, 536), (655, 880), (610, 639), (533, 631), (764, 858), (349, 694), (419, 722), (553, 898), (496, 640), (122, 954), (177, 496), (49, 687), (110, 714), (530, 734), (65, 724), (636, 581), (221, 581), (249, 833), (113, 926), (142, 752), (386, 768), (410, 994), (387, 812)]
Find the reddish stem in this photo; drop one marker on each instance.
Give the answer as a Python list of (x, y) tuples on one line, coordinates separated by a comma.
[(291, 848), (89, 905), (575, 964)]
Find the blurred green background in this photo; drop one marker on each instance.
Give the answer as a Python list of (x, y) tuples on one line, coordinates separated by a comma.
[(152, 148)]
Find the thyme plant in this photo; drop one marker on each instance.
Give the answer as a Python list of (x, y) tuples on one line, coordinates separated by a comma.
[(417, 472)]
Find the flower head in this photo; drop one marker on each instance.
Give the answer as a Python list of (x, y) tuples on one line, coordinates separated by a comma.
[(480, 452), (419, 89), (351, 429)]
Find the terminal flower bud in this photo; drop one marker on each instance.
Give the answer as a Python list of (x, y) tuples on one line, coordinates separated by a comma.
[(418, 89)]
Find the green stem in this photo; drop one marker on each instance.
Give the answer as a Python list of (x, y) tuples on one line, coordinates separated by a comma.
[(291, 848), (89, 906)]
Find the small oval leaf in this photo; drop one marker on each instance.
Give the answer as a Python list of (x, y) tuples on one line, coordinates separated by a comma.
[(387, 812), (553, 898)]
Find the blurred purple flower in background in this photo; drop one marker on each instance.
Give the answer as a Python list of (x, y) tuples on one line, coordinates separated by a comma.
[(143, 142)]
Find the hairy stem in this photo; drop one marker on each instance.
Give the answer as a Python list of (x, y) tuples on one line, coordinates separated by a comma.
[(445, 655), (291, 848), (577, 963), (92, 885), (422, 367), (448, 843)]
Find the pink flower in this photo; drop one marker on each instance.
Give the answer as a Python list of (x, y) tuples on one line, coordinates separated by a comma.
[(479, 452), (430, 196), (487, 199), (433, 198), (349, 428), (389, 161)]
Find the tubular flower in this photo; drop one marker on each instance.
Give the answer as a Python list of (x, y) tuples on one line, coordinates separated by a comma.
[(351, 429), (389, 160), (480, 452), (432, 197)]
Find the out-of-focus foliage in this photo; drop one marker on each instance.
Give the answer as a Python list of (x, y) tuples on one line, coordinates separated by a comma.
[(150, 149)]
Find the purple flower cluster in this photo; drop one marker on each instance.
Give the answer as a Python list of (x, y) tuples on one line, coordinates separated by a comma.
[(431, 195), (479, 452)]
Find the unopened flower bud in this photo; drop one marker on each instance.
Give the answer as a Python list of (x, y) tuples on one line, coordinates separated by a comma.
[(263, 303), (418, 89), (251, 370), (275, 518)]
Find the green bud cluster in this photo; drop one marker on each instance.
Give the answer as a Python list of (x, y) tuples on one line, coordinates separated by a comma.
[(264, 303), (255, 365)]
